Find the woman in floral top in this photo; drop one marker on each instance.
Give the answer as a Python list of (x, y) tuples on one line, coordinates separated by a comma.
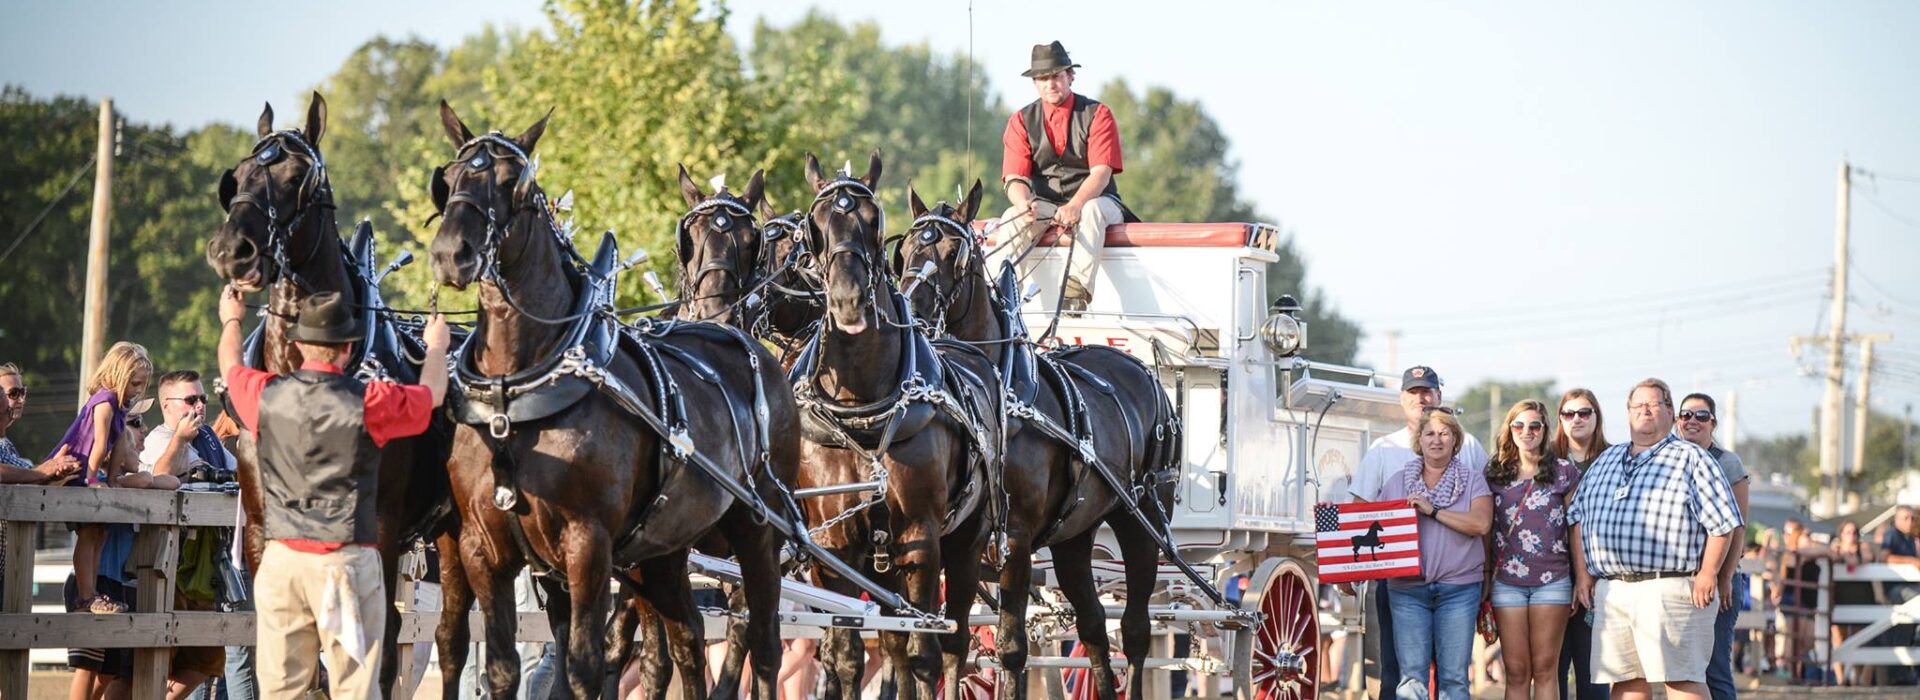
[(1532, 562)]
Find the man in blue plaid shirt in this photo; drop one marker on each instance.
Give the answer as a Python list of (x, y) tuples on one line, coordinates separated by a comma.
[(1655, 518)]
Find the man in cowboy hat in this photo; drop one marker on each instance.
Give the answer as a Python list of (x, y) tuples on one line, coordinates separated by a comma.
[(319, 431), (1059, 156)]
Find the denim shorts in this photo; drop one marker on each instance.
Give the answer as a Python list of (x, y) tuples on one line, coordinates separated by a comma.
[(1509, 596)]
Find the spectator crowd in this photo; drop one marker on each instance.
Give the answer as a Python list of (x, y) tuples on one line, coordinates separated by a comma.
[(1601, 570)]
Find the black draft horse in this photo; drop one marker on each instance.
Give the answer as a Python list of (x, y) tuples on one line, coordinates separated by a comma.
[(591, 490), (880, 405), (1093, 393), (280, 235)]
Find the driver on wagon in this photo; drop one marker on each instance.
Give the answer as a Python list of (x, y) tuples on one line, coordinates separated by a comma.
[(1059, 156)]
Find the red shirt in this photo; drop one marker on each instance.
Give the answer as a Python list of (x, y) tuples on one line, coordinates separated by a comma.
[(392, 411), (1103, 139)]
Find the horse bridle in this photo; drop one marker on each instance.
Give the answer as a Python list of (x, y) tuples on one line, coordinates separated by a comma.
[(934, 228), (484, 150), (844, 194), (728, 213), (313, 193)]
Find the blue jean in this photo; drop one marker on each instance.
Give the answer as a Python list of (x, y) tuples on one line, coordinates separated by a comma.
[(1389, 661), (1720, 667), (1576, 653), (1435, 626)]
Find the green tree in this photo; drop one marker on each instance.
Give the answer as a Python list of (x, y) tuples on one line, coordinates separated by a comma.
[(160, 292), (1479, 413)]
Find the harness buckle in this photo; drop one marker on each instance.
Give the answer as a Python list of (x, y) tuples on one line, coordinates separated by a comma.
[(499, 426), (504, 497)]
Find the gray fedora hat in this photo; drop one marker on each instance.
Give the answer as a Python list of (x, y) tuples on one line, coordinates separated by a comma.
[(1049, 59), (326, 318)]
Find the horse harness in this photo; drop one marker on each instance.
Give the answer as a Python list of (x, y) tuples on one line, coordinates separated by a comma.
[(929, 384)]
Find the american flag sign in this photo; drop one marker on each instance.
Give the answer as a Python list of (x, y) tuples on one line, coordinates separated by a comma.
[(1367, 541)]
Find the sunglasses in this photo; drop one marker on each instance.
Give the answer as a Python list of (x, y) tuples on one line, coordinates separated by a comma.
[(1529, 426), (17, 393), (1438, 409), (1698, 414), (1577, 413), (193, 400)]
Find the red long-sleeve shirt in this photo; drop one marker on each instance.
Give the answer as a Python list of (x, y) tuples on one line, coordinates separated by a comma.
[(391, 411)]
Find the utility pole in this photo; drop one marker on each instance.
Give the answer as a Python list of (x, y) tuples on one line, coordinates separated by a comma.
[(1861, 413), (1493, 415), (1393, 350), (1732, 414), (1830, 407), (93, 327)]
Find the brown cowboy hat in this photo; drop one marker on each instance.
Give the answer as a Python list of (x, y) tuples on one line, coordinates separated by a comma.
[(1049, 59), (326, 318)]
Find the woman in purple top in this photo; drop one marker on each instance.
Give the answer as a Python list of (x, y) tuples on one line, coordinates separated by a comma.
[(1433, 613), (117, 383), (1532, 560)]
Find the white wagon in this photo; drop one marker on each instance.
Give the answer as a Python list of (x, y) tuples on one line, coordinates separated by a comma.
[(1267, 432)]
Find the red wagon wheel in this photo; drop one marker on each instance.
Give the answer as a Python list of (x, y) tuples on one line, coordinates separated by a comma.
[(1279, 659)]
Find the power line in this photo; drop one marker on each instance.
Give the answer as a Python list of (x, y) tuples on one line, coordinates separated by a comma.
[(1884, 209), (1589, 309), (1882, 290), (1575, 327), (31, 227), (1877, 175)]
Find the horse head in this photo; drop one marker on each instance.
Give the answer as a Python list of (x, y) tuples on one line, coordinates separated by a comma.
[(843, 228), (720, 249), (279, 208), (944, 237), (485, 196)]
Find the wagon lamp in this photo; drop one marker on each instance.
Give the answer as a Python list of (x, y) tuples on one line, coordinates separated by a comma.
[(1283, 331)]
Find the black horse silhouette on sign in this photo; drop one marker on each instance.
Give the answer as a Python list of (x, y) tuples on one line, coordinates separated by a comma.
[(1371, 540)]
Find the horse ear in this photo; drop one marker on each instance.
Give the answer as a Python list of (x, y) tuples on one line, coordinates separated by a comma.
[(228, 188), (457, 130), (531, 137), (915, 207), (767, 212), (873, 170), (814, 179), (756, 187), (316, 118), (689, 189), (266, 121), (971, 205)]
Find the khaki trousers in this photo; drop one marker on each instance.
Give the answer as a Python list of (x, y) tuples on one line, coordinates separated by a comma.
[(291, 595), (1015, 236)]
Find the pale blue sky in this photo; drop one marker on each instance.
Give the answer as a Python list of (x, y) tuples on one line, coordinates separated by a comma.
[(1594, 193)]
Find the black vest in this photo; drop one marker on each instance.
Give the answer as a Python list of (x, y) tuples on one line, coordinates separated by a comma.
[(318, 465), (1056, 177)]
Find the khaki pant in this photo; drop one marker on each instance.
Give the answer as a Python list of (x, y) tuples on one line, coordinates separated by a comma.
[(1015, 236), (1651, 630), (290, 595)]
